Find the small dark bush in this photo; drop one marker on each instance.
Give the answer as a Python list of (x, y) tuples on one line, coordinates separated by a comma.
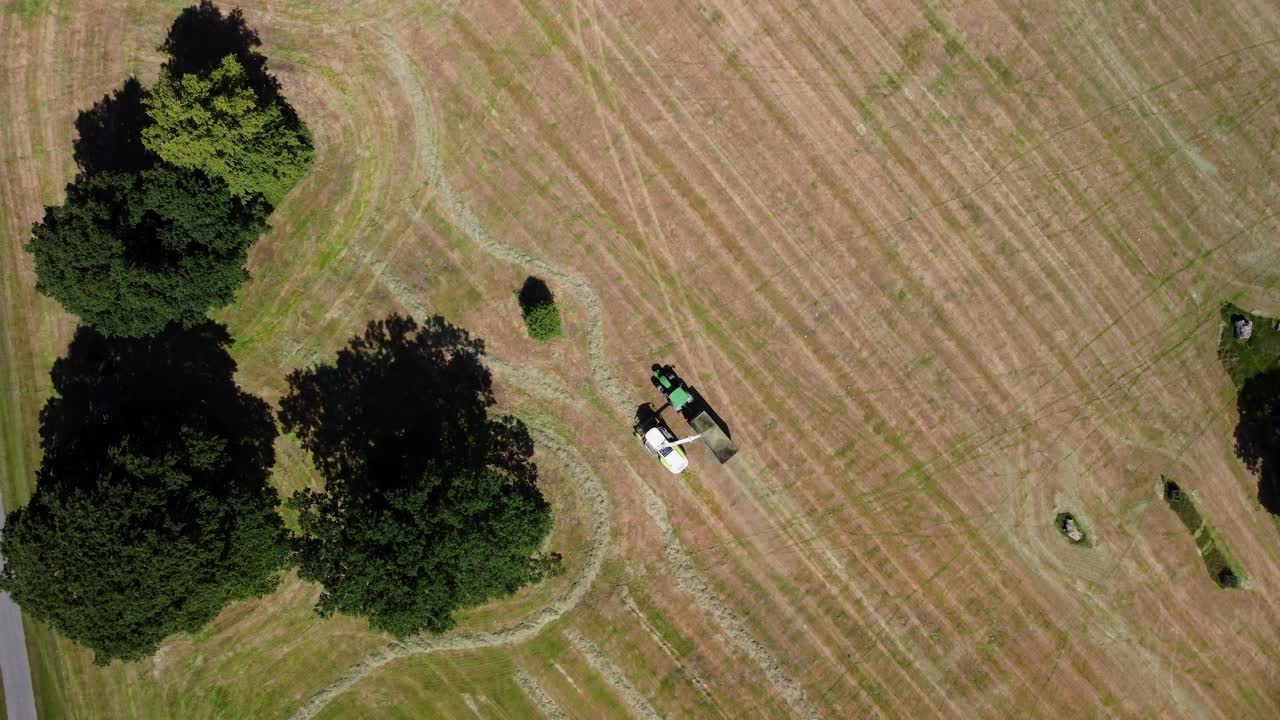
[(537, 304), (1227, 578)]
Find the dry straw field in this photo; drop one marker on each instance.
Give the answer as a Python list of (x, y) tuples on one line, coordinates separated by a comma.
[(946, 269)]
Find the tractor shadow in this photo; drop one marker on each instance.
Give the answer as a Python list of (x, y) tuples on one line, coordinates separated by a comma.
[(645, 416)]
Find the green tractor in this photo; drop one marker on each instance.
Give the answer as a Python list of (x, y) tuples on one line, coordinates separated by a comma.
[(707, 425), (670, 384)]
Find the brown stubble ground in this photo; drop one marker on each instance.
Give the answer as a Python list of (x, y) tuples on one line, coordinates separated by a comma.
[(931, 313)]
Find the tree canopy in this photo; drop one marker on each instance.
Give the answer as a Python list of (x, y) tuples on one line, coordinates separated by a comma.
[(429, 504), (175, 184), (152, 508), (215, 120), (1258, 434), (131, 252)]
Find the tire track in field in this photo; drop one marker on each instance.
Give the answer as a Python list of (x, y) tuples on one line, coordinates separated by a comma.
[(464, 219), (540, 699), (612, 675), (748, 202), (832, 568)]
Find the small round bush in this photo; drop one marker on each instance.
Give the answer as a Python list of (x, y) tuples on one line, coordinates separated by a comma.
[(543, 321), (1227, 578), (538, 306)]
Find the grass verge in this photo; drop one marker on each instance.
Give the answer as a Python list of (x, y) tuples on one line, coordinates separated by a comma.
[(1243, 359), (1224, 569)]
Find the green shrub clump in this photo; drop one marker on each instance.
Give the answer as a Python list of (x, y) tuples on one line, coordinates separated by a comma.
[(538, 305), (130, 253), (543, 322)]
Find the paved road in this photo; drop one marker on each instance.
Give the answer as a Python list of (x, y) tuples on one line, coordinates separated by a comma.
[(19, 698)]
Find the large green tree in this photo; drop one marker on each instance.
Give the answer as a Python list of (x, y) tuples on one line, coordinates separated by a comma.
[(152, 508), (429, 503), (217, 121), (131, 252)]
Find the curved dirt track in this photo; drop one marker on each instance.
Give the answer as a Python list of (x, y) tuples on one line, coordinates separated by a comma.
[(461, 214), (466, 221)]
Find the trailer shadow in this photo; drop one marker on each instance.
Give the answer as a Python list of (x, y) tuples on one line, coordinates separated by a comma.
[(700, 405)]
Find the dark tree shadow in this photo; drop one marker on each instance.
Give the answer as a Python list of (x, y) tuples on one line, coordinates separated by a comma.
[(1258, 434), (145, 389), (203, 35), (535, 293), (402, 397), (109, 135)]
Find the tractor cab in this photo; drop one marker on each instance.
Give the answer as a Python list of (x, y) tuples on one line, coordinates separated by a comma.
[(670, 385)]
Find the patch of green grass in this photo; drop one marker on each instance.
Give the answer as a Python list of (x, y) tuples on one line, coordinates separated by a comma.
[(1003, 72), (28, 10), (682, 645), (944, 82), (461, 685), (220, 702), (1243, 359), (913, 46), (951, 41), (588, 391), (1222, 568), (893, 81)]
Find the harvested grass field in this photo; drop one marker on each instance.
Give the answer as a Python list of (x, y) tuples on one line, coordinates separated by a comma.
[(947, 270)]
